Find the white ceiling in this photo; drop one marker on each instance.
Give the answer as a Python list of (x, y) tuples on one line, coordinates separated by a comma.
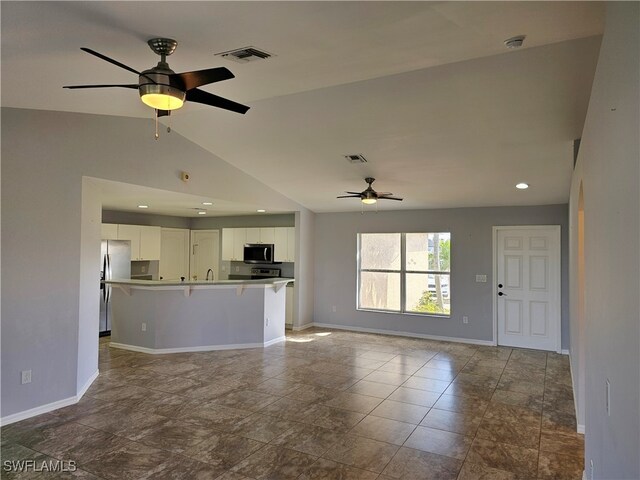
[(427, 91)]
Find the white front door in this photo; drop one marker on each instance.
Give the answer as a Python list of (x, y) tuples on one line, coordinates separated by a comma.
[(204, 254), (527, 287)]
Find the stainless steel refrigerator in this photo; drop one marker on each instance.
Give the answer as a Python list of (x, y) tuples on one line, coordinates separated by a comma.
[(116, 264)]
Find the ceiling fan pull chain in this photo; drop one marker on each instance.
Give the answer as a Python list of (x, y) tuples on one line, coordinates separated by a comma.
[(156, 113), (169, 126)]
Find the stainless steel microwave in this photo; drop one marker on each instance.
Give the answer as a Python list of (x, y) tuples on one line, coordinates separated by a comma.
[(258, 253)]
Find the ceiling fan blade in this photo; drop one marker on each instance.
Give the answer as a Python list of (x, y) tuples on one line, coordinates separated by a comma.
[(110, 60), (195, 79), (389, 198), (354, 193), (384, 193), (131, 85), (206, 98), (349, 196)]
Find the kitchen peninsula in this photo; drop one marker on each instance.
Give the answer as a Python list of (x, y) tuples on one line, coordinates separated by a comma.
[(166, 317)]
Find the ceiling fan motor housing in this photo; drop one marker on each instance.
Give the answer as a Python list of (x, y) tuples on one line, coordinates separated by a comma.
[(158, 84)]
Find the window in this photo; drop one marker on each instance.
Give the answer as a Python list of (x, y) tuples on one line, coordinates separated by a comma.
[(405, 272)]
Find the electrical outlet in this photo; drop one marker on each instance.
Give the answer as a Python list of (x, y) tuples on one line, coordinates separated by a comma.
[(465, 319), (237, 269), (144, 327), (26, 376), (143, 269), (608, 399)]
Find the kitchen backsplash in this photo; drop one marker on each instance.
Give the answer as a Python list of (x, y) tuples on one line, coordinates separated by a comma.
[(241, 268), (145, 267)]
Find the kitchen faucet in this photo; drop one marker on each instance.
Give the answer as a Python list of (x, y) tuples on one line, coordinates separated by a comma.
[(211, 274)]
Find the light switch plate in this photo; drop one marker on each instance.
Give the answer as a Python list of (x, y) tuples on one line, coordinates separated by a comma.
[(481, 278)]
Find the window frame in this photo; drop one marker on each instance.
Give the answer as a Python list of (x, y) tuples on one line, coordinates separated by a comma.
[(402, 272)]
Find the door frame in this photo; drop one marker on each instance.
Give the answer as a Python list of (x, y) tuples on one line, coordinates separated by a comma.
[(557, 270)]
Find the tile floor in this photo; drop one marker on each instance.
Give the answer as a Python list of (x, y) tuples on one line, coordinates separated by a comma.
[(324, 405)]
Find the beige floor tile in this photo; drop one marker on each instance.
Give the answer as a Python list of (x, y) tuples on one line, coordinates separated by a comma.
[(273, 462), (403, 412), (511, 458), (462, 423), (324, 469), (309, 439), (414, 396), (383, 429), (411, 464), (440, 442), (372, 389), (362, 453), (388, 378), (353, 402), (429, 384)]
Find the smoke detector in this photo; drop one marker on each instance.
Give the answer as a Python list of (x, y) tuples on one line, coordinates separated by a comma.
[(245, 54), (515, 42), (356, 158)]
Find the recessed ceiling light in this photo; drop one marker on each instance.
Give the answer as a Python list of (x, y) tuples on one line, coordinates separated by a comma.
[(522, 186), (143, 206), (207, 203), (202, 212), (261, 210)]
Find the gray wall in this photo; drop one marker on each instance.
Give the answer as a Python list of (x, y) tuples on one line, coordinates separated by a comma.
[(51, 258), (209, 223), (266, 220), (135, 218), (609, 170), (471, 254)]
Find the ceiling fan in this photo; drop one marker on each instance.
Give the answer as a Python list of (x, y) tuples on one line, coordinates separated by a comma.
[(163, 89), (369, 196)]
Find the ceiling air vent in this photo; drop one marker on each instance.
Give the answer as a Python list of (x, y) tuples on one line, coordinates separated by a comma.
[(356, 158), (244, 55)]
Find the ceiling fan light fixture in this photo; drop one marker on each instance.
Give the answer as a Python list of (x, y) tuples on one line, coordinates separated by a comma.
[(369, 201), (161, 97)]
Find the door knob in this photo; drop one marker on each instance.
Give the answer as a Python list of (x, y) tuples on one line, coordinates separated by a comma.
[(499, 285), (500, 294)]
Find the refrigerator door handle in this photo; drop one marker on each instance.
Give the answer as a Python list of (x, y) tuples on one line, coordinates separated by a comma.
[(108, 276)]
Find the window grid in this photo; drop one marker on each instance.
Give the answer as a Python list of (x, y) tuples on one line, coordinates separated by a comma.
[(403, 274)]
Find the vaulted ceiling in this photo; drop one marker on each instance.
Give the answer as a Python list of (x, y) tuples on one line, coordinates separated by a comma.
[(445, 115)]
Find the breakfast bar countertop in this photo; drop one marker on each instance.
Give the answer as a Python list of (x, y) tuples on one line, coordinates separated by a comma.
[(199, 283)]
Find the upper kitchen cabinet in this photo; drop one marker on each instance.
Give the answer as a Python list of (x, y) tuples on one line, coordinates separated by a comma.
[(109, 231), (145, 241), (284, 244), (233, 240), (267, 235)]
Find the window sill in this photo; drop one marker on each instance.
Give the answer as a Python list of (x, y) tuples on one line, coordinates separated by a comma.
[(398, 312)]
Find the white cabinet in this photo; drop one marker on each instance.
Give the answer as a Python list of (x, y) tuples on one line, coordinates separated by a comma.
[(253, 234), (280, 244), (291, 244), (150, 243), (109, 231), (267, 235), (174, 253), (283, 239), (289, 313), (233, 240), (145, 241), (285, 244)]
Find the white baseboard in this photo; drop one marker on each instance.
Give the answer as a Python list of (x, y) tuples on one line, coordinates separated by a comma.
[(564, 351), (201, 348), (580, 427), (404, 334), (87, 384), (302, 327), (274, 341), (49, 407)]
